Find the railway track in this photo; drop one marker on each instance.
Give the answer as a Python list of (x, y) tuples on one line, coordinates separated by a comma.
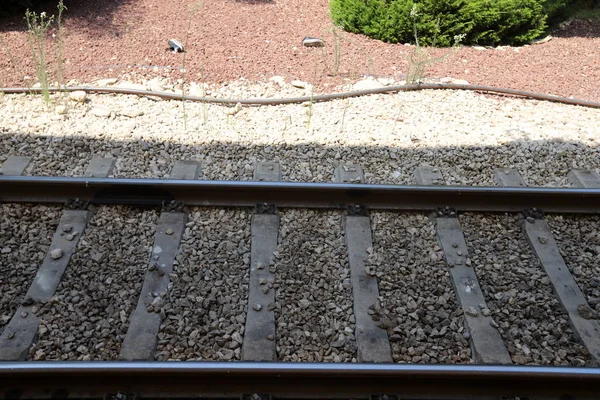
[(173, 308)]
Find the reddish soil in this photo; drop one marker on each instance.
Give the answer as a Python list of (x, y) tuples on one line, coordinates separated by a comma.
[(257, 39)]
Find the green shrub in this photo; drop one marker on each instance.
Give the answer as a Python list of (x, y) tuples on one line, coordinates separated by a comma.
[(485, 22), (557, 9)]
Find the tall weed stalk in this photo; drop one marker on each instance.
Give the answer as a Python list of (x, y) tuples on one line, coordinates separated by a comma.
[(338, 42), (191, 13), (421, 58), (37, 27), (59, 45)]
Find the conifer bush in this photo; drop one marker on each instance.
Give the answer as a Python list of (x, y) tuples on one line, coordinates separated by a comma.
[(438, 22)]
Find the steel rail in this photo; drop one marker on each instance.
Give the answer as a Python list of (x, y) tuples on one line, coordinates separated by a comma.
[(292, 379), (38, 189)]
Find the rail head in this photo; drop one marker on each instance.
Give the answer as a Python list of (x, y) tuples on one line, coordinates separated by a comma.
[(293, 379), (39, 189)]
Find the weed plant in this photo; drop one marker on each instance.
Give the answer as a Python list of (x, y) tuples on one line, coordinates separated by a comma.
[(338, 42), (421, 58), (337, 50), (309, 109), (59, 45), (192, 12), (346, 106), (37, 26)]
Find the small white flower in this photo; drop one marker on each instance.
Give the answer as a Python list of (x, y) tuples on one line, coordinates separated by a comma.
[(414, 12), (43, 14), (459, 38)]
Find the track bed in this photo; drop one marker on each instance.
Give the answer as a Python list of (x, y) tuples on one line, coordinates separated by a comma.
[(386, 288)]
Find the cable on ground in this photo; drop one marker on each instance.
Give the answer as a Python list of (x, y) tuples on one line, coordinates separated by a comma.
[(313, 99)]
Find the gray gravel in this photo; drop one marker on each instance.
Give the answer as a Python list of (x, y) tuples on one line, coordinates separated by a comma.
[(25, 236), (314, 316), (88, 317), (418, 304), (465, 134), (579, 241), (519, 294), (153, 157), (205, 314)]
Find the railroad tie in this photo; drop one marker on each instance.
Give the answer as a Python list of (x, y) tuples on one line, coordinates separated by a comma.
[(141, 337), (259, 333), (585, 178), (542, 242), (21, 331), (372, 341), (487, 345), (15, 165)]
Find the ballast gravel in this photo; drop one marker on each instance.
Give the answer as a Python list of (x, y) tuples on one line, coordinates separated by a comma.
[(578, 239), (467, 135), (25, 235), (88, 317), (517, 291), (205, 312), (313, 313), (417, 306)]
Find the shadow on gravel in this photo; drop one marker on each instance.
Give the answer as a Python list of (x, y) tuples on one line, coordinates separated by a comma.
[(94, 16), (540, 162), (585, 28)]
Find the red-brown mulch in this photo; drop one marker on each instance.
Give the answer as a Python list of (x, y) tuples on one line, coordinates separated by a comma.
[(257, 39)]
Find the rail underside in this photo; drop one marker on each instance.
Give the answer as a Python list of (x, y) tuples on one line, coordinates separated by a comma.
[(37, 189), (292, 380)]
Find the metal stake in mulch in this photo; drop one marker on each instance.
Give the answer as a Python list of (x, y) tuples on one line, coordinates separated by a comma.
[(176, 46), (312, 42)]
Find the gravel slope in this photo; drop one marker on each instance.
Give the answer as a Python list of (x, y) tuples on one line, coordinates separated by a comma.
[(465, 134)]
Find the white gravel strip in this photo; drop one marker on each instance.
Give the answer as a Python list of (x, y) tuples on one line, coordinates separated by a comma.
[(205, 313), (466, 134), (88, 317), (418, 306), (518, 293), (578, 239), (25, 235), (314, 315)]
